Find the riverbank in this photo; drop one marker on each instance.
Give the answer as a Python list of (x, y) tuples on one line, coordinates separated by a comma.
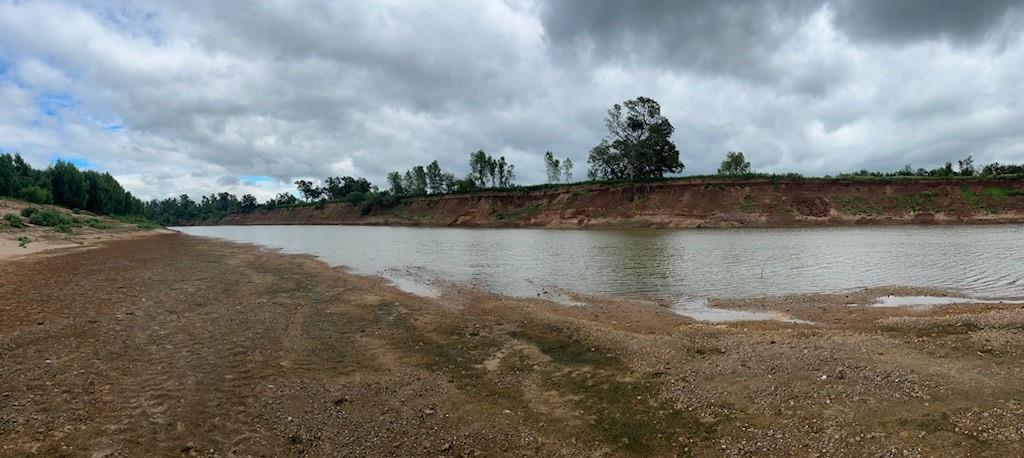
[(688, 203), (22, 238), (171, 345)]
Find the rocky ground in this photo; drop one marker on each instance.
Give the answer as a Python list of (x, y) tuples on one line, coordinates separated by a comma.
[(172, 345)]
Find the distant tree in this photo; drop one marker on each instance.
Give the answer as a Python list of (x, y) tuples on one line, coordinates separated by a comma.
[(248, 203), (480, 166), (395, 184), (944, 171), (639, 143), (309, 190), (339, 188), (966, 166), (486, 171), (553, 167), (69, 185), (734, 164), (504, 173), (283, 199), (415, 181), (436, 183), (567, 170), (464, 185)]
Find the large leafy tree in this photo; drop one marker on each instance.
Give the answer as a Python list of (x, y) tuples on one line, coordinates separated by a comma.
[(734, 164), (639, 143)]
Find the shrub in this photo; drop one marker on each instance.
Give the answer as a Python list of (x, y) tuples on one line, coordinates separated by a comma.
[(13, 220), (24, 241), (95, 223), (36, 195), (50, 218), (28, 211)]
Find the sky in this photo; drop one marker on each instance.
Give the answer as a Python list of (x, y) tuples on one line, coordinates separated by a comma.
[(197, 97)]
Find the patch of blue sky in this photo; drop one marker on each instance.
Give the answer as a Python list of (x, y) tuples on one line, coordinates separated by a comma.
[(134, 22), (52, 103), (76, 161), (255, 179)]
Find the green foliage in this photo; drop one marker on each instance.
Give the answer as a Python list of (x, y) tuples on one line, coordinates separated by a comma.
[(14, 221), (95, 223), (24, 241), (139, 221), (51, 218), (28, 211), (734, 164), (63, 184), (639, 144)]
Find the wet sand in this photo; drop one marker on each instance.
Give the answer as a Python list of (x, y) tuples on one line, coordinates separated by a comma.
[(173, 345)]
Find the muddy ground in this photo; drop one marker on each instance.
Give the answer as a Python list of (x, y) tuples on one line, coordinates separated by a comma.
[(172, 345)]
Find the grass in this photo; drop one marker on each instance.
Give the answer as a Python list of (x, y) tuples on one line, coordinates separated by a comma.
[(24, 241)]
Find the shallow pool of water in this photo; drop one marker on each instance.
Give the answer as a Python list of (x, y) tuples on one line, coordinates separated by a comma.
[(678, 268)]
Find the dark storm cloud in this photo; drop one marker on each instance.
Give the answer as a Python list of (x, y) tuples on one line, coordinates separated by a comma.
[(902, 21), (719, 36)]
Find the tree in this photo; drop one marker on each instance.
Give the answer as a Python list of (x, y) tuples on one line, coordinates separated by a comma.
[(553, 167), (567, 170), (309, 190), (435, 178), (504, 173), (638, 145), (966, 166), (69, 185), (734, 164), (415, 181), (480, 168), (248, 203), (395, 184)]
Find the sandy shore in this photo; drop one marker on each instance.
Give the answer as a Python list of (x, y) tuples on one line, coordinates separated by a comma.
[(173, 345)]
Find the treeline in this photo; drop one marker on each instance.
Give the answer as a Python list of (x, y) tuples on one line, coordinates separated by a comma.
[(182, 209), (637, 147), (484, 172), (965, 168), (64, 184)]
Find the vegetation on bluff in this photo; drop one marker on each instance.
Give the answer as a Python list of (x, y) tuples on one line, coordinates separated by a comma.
[(64, 184), (638, 148)]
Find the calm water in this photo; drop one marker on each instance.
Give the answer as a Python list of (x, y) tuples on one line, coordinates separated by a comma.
[(671, 266)]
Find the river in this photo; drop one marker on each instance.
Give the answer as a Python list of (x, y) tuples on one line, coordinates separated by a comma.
[(678, 268)]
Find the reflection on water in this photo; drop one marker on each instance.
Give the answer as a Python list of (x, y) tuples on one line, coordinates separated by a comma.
[(674, 267)]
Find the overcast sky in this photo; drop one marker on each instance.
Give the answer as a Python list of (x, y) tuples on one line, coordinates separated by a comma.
[(204, 96)]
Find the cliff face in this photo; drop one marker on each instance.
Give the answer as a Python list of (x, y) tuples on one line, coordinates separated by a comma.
[(690, 203)]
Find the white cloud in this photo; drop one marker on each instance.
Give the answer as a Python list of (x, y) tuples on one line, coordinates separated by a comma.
[(177, 97)]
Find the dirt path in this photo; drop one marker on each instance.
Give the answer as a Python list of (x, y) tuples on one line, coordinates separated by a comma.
[(172, 345)]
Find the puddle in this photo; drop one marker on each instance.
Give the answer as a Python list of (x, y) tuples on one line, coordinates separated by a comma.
[(933, 301), (699, 310)]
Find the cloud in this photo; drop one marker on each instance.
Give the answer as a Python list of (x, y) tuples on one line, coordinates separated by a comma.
[(193, 97), (902, 21)]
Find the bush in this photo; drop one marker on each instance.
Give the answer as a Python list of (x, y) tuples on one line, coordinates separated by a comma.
[(50, 218), (95, 223), (36, 195), (28, 211), (13, 220)]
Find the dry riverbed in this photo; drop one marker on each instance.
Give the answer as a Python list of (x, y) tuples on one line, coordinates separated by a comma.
[(174, 345)]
